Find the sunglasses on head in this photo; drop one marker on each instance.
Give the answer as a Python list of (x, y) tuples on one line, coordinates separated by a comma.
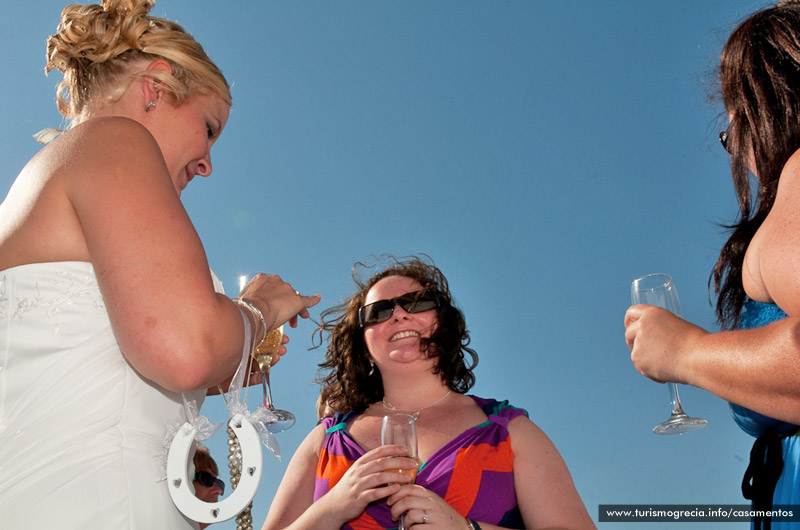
[(382, 310), (207, 479)]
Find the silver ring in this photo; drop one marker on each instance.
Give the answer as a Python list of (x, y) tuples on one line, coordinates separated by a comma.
[(424, 516)]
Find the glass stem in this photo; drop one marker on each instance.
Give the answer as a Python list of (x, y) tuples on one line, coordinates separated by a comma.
[(267, 388), (674, 399)]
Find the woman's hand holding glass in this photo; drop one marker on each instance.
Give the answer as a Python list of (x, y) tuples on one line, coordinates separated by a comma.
[(368, 480), (659, 290), (418, 505), (660, 342)]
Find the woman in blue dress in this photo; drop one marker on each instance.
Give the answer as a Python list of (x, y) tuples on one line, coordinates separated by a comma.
[(754, 363)]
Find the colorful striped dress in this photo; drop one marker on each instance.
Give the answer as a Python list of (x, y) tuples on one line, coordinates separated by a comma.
[(473, 472)]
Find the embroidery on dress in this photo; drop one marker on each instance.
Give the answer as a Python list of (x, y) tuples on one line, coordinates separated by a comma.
[(70, 287), (3, 297)]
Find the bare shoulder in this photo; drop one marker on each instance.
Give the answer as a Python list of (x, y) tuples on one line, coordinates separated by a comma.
[(788, 192), (41, 204), (530, 443), (527, 437), (100, 145), (104, 140), (793, 164), (98, 128), (773, 255), (312, 443)]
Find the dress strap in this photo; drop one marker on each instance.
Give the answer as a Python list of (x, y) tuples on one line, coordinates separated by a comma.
[(500, 412), (337, 422), (761, 476)]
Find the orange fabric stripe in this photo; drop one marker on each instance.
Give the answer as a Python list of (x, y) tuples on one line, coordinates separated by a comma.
[(466, 478), (332, 467)]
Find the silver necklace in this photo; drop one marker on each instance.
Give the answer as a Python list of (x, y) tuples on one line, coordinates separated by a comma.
[(414, 412)]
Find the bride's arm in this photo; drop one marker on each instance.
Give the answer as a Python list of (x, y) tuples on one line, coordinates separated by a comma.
[(149, 262)]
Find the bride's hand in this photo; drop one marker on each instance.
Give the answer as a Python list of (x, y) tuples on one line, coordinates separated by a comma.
[(278, 301)]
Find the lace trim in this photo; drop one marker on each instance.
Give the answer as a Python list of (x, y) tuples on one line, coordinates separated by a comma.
[(71, 288), (3, 297)]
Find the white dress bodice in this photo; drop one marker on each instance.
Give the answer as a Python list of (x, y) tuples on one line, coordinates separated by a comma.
[(80, 429)]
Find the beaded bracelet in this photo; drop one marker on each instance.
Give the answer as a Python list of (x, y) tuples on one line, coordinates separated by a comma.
[(258, 312)]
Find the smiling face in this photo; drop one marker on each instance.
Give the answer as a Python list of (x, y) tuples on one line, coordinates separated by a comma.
[(398, 338), (185, 134)]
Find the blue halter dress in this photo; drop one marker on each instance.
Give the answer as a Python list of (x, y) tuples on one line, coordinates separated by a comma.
[(775, 441)]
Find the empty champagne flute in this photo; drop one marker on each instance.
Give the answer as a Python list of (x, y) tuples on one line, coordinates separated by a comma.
[(400, 429), (658, 289), (263, 355)]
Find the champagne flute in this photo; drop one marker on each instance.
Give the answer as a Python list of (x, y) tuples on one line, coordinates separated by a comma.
[(658, 289), (263, 355), (400, 429)]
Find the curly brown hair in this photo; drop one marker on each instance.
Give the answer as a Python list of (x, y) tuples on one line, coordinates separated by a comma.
[(759, 79), (345, 374)]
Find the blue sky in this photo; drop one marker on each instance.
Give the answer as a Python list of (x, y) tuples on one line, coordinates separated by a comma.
[(544, 154)]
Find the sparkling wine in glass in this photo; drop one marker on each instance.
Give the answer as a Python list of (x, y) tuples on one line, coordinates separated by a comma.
[(263, 355), (400, 429), (658, 289)]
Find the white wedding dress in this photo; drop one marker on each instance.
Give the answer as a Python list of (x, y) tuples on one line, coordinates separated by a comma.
[(80, 429)]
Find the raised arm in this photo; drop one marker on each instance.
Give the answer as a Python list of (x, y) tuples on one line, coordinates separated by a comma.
[(757, 368)]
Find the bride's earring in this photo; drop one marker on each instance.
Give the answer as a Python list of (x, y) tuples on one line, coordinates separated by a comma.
[(371, 368)]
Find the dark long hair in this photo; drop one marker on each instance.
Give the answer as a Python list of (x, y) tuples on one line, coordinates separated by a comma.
[(759, 78), (345, 374)]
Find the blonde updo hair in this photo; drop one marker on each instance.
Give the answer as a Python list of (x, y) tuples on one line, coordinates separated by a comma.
[(101, 49)]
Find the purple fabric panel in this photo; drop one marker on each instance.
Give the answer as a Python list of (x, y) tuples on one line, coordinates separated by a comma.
[(496, 497), (496, 500)]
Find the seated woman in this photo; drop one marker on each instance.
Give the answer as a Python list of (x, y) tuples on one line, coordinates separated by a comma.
[(399, 344)]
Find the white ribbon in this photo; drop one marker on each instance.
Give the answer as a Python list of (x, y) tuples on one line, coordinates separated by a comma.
[(236, 403), (203, 427), (259, 418)]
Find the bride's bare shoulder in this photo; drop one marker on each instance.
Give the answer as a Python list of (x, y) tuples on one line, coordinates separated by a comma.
[(114, 131), (97, 145)]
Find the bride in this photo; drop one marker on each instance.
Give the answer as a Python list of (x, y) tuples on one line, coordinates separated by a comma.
[(108, 310)]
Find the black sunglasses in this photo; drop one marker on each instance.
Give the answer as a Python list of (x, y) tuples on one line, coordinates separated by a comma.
[(723, 139), (207, 479), (382, 310)]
